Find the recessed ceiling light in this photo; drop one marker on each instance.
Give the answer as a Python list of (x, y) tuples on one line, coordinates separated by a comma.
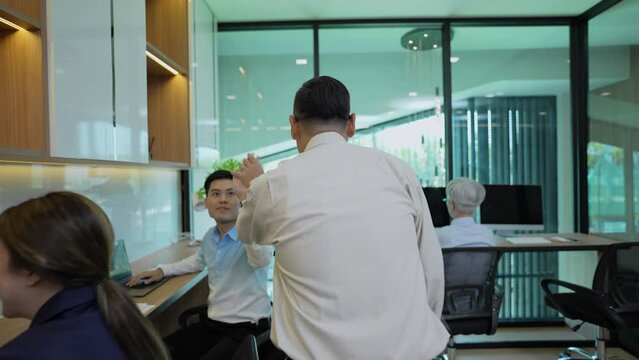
[(410, 42), (260, 96), (301, 61), (606, 93), (425, 35), (414, 47), (412, 93), (491, 95), (242, 71), (454, 59), (434, 46), (231, 97)]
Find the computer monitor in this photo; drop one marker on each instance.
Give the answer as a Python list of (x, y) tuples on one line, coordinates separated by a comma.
[(120, 271), (435, 197), (512, 207)]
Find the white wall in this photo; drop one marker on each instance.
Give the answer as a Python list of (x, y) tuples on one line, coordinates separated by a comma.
[(143, 204)]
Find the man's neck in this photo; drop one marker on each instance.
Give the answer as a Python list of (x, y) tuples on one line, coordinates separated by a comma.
[(223, 228)]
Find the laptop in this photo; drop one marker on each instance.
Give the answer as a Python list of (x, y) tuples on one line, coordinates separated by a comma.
[(121, 272)]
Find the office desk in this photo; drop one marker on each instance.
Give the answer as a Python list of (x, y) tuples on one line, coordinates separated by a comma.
[(577, 242), (169, 300)]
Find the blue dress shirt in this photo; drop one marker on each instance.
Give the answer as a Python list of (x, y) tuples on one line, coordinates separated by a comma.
[(69, 326), (237, 275)]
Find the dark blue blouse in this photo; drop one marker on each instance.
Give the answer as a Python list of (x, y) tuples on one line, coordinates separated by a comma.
[(68, 326)]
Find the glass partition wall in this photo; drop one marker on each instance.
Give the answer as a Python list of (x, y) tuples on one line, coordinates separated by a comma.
[(508, 119), (511, 118), (511, 124), (613, 112)]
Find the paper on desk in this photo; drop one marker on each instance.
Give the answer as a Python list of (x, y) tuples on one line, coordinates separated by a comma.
[(527, 240), (145, 308)]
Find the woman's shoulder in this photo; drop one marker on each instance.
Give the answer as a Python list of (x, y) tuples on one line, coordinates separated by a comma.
[(83, 337)]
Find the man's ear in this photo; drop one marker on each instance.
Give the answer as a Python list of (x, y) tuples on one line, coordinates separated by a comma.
[(295, 127), (30, 278), (350, 126)]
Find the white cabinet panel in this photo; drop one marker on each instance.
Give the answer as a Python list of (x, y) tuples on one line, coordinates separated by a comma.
[(97, 86), (80, 79), (129, 45)]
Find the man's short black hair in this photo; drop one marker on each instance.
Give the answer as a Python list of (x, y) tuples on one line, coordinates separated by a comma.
[(216, 175), (322, 99)]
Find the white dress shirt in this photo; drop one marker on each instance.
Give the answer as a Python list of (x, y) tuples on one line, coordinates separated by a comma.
[(464, 231), (237, 276), (358, 268)]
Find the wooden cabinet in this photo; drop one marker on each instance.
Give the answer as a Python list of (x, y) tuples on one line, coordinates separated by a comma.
[(83, 88), (22, 85), (168, 92)]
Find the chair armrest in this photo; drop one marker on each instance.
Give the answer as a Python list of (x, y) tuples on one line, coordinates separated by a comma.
[(550, 296), (200, 310), (263, 337), (597, 298)]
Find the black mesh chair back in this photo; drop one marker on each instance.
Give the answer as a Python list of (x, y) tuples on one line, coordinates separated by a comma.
[(613, 301), (471, 304), (247, 350)]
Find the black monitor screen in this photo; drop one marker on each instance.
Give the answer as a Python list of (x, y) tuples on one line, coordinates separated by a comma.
[(435, 198), (513, 205)]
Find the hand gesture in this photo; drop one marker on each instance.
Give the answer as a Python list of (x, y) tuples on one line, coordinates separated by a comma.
[(146, 277), (251, 168)]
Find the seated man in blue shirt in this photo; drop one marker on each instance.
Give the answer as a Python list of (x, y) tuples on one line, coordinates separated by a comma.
[(238, 303)]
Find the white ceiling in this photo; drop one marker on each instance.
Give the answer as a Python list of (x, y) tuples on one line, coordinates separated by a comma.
[(270, 10)]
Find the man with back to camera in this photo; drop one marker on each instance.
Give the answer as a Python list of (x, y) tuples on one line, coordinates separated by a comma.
[(238, 303), (463, 196), (358, 267)]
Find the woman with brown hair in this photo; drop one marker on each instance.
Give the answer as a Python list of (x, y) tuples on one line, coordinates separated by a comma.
[(54, 269)]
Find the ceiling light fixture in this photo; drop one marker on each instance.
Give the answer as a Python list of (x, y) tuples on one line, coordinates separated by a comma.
[(231, 97), (161, 63), (412, 93), (260, 96), (301, 61), (454, 59), (422, 39), (13, 25), (242, 71), (606, 93)]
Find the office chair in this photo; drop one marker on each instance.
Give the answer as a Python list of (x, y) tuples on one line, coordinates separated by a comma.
[(201, 311), (612, 304), (247, 350), (471, 303)]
